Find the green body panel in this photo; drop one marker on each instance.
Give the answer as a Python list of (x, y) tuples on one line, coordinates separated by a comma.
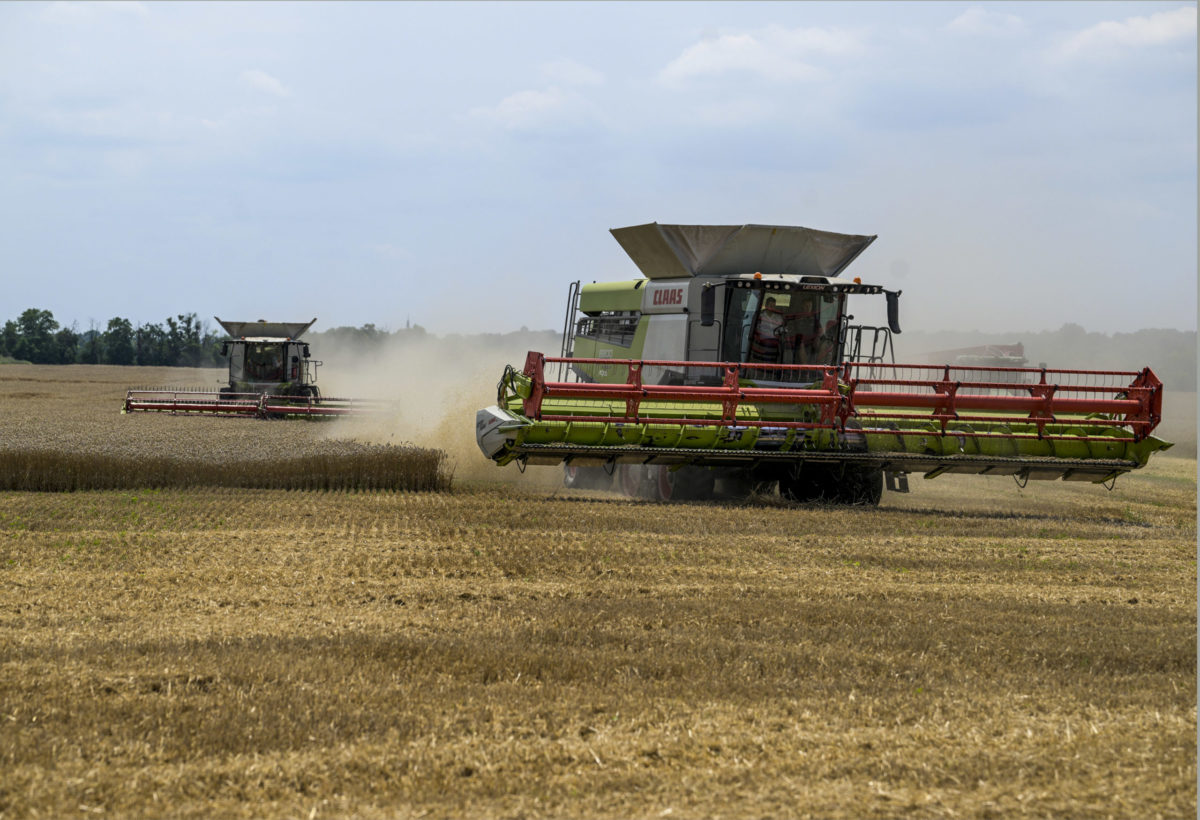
[(586, 348), (611, 296)]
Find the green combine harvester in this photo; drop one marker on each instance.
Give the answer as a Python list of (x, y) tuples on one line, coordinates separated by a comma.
[(271, 376), (734, 365)]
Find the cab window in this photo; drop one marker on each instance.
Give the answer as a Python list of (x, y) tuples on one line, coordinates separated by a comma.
[(264, 363), (781, 327)]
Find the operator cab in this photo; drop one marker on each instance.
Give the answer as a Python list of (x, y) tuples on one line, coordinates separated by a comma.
[(782, 327), (787, 320), (268, 357), (263, 362)]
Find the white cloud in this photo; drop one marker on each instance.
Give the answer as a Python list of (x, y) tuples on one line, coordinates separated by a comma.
[(539, 108), (557, 104), (569, 72), (262, 81), (978, 21), (525, 108), (1133, 32), (773, 53)]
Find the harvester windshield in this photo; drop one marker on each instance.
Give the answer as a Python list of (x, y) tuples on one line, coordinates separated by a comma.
[(264, 362), (782, 327)]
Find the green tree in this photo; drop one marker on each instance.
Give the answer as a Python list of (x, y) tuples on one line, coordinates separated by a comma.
[(10, 337), (150, 345), (66, 345), (184, 340), (37, 343), (90, 344), (118, 342)]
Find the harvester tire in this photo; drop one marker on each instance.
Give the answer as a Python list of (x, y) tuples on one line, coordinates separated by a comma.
[(814, 482), (684, 484), (860, 486), (586, 478), (833, 484), (629, 480)]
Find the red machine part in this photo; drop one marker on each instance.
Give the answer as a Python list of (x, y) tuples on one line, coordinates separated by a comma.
[(242, 404), (872, 393)]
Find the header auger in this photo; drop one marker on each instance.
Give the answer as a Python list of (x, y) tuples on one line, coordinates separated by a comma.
[(271, 375), (734, 365)]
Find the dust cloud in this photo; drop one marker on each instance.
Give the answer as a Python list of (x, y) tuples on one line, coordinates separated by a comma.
[(1170, 353), (432, 388)]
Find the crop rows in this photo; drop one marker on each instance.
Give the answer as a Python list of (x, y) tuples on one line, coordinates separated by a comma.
[(505, 653)]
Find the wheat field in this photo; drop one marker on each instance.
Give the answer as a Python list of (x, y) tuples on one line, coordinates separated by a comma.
[(510, 649)]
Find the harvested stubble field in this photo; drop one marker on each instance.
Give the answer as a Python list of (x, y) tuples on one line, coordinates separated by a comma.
[(968, 650)]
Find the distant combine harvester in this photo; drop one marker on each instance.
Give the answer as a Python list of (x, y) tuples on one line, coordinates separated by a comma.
[(271, 375)]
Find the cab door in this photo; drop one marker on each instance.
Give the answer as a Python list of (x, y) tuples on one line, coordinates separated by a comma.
[(706, 322)]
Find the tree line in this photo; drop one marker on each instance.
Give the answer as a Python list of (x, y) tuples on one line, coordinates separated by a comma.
[(182, 341), (185, 341)]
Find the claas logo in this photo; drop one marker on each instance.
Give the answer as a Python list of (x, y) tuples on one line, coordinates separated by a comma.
[(673, 296)]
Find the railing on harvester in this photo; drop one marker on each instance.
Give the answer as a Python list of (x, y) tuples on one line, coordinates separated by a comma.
[(898, 399), (262, 405)]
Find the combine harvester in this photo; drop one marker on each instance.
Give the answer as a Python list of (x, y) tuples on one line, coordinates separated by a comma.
[(270, 376), (733, 365)]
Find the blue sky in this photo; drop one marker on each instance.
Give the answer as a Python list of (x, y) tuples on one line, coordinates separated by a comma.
[(458, 164)]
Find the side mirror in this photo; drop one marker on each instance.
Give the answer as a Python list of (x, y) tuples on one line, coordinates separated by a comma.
[(893, 309), (708, 306), (306, 351), (224, 348)]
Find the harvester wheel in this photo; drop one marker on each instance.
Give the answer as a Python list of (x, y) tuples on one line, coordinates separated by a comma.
[(629, 480), (684, 484), (848, 484), (814, 482), (860, 485), (586, 478)]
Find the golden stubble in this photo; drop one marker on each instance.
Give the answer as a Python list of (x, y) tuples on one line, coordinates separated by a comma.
[(971, 649)]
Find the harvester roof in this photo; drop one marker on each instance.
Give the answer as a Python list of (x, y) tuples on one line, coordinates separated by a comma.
[(674, 251), (262, 329)]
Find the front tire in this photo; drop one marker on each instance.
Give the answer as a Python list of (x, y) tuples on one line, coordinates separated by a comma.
[(586, 478), (848, 484), (861, 486), (684, 484)]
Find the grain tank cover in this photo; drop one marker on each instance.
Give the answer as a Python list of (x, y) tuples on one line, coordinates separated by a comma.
[(262, 329), (674, 251)]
